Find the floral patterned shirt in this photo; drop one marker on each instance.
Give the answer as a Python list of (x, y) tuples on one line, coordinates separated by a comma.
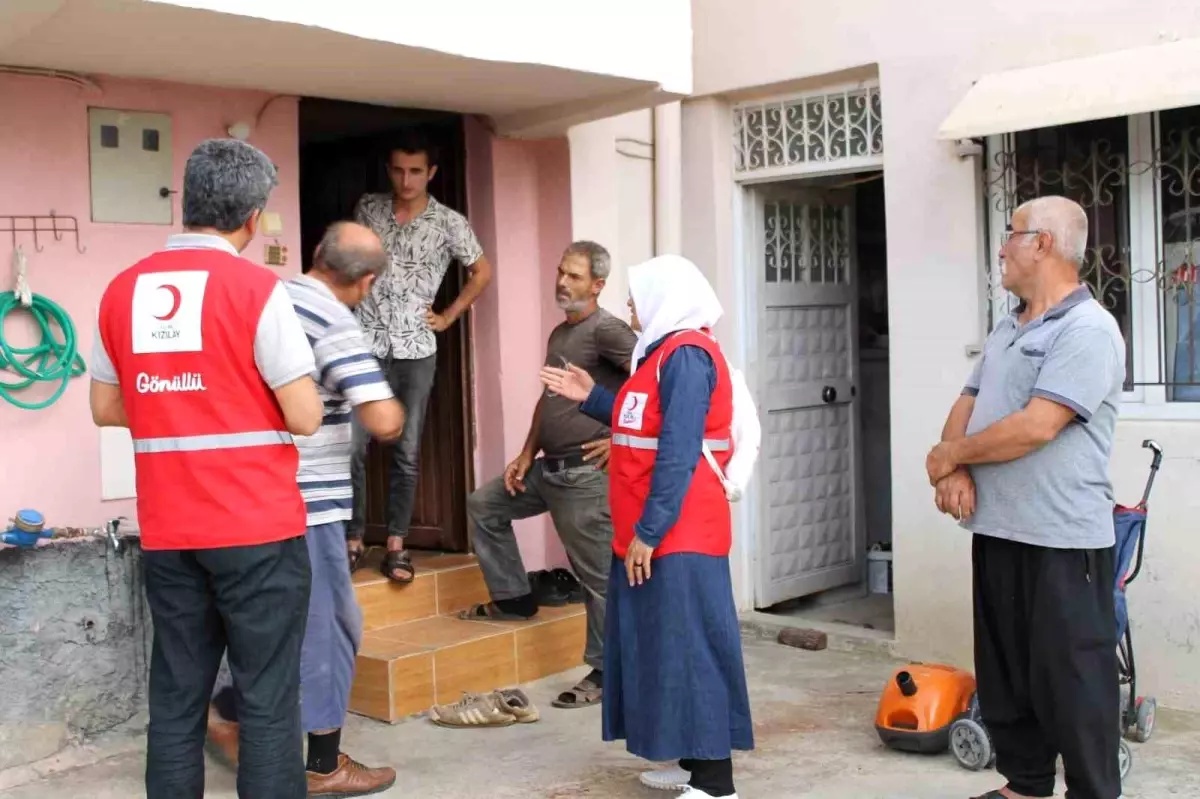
[(419, 253)]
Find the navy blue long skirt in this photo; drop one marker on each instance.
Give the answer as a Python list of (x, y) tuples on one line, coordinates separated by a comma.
[(674, 680)]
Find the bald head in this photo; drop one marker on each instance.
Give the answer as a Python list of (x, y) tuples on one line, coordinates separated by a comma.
[(1065, 221), (348, 252)]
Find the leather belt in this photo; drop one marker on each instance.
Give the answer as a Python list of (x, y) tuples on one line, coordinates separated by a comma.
[(555, 465)]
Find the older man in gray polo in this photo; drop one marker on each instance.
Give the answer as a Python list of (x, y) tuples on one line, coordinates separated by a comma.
[(1023, 463)]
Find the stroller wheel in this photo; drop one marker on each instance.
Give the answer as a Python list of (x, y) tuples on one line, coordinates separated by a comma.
[(971, 745), (1125, 760), (1146, 707)]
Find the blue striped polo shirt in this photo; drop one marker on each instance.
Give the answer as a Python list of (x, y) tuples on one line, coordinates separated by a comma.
[(346, 375)]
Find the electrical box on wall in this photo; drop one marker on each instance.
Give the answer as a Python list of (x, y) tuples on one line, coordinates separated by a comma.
[(275, 255), (130, 154)]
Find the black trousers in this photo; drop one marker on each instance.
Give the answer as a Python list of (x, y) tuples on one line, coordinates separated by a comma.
[(254, 601), (714, 777), (1046, 664)]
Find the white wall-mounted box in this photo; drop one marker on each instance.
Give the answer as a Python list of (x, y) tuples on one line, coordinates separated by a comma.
[(130, 155)]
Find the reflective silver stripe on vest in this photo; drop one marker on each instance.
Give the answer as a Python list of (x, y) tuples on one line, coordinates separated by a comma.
[(261, 438), (641, 442)]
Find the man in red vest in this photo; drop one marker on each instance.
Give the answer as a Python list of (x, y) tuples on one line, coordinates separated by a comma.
[(201, 355)]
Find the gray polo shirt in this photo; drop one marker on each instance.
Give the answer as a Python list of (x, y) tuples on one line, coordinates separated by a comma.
[(1059, 495)]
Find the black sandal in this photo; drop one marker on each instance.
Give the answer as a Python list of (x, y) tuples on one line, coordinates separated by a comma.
[(398, 560), (355, 555), (489, 611)]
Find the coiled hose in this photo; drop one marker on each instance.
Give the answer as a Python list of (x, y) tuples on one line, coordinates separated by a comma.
[(47, 361)]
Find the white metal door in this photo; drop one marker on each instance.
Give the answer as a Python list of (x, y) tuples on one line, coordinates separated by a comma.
[(810, 531)]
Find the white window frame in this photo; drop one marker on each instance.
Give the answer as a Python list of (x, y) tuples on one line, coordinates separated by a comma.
[(1144, 401)]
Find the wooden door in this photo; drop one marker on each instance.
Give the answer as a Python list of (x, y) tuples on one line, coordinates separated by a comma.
[(334, 173)]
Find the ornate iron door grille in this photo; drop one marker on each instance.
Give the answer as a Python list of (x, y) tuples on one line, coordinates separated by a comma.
[(840, 130)]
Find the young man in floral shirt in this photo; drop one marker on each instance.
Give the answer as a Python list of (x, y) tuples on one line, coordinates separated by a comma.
[(422, 238)]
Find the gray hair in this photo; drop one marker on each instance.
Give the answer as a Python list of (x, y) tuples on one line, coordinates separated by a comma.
[(1065, 221), (599, 261), (224, 183), (348, 262)]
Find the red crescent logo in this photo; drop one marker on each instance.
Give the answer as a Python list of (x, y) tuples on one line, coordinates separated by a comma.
[(176, 299), (633, 405)]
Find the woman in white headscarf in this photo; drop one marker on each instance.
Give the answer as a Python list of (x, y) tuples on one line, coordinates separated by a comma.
[(675, 685)]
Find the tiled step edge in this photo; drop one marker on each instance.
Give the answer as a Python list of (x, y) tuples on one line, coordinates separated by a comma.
[(396, 679), (433, 593)]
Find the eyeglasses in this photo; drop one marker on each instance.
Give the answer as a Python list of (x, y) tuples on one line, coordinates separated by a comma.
[(1009, 233)]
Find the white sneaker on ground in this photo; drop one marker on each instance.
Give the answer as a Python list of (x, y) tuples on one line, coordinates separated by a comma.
[(696, 793), (666, 779)]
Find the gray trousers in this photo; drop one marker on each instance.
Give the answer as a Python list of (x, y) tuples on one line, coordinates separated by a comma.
[(411, 382), (577, 500), (333, 635)]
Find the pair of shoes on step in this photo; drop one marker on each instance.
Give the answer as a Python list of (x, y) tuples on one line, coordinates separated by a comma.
[(496, 709), (555, 588), (674, 779)]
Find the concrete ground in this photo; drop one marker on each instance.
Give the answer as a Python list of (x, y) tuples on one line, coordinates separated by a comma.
[(813, 717), (871, 612)]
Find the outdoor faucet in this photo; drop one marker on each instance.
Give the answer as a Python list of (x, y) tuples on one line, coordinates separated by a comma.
[(111, 527)]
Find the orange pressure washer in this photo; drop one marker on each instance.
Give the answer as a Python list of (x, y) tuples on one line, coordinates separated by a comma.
[(928, 708)]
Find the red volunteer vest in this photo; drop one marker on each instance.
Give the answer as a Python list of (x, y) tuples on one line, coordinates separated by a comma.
[(704, 524), (216, 466)]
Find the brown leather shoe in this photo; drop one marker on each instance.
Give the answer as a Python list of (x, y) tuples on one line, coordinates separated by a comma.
[(350, 779), (222, 739)]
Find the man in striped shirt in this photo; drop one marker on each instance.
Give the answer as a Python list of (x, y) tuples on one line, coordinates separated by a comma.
[(349, 379)]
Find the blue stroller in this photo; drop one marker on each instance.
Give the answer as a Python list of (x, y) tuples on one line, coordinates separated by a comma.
[(1137, 712), (969, 740)]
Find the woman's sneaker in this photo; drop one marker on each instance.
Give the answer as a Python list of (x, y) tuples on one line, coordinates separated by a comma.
[(667, 779), (696, 793)]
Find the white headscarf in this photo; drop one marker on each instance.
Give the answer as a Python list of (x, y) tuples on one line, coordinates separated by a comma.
[(670, 294)]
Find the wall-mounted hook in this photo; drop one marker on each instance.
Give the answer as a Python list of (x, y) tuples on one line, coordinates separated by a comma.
[(35, 225)]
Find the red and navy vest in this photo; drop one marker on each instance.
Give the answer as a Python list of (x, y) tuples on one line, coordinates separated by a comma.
[(216, 466), (704, 525)]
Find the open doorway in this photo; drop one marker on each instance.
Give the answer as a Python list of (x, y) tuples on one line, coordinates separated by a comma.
[(825, 511), (344, 149)]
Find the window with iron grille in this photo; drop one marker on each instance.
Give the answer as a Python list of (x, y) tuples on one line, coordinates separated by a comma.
[(1138, 179)]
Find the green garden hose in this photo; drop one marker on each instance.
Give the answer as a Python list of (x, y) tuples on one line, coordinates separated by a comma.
[(48, 361)]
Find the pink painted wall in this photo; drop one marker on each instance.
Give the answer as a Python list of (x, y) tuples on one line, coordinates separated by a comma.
[(520, 204), (554, 234), (519, 194), (52, 456)]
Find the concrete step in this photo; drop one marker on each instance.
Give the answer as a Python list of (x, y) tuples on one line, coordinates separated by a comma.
[(417, 653)]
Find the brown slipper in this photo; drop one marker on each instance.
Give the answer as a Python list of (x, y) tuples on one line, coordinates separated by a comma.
[(585, 694)]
